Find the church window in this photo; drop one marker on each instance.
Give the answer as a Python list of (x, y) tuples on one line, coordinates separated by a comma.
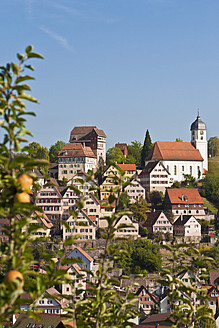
[(175, 169), (183, 168), (193, 132), (201, 138), (191, 170)]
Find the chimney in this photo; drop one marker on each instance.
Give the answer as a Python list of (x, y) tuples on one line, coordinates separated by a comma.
[(182, 197)]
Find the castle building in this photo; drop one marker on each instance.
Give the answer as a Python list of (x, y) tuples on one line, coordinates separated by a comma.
[(180, 158), (91, 136), (73, 158)]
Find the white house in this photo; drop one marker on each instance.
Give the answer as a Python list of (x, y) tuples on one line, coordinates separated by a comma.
[(81, 226), (78, 277), (131, 231), (155, 176), (135, 190), (48, 304), (88, 186), (74, 158), (188, 227)]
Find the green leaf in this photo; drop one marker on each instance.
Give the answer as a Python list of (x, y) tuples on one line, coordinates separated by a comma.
[(22, 78), (15, 68), (28, 49), (28, 97), (29, 67), (34, 55)]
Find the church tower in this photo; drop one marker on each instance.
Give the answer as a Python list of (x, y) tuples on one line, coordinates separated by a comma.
[(199, 139)]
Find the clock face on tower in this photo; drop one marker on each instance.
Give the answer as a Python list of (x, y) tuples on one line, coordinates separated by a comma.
[(201, 132)]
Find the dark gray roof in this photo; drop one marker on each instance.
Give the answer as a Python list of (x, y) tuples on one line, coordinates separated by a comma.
[(182, 219), (198, 124)]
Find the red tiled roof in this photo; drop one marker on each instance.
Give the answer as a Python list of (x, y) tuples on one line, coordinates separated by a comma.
[(127, 167), (174, 151), (157, 318), (84, 253), (76, 149), (44, 219), (179, 196)]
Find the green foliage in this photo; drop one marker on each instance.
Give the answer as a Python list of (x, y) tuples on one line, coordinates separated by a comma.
[(38, 151), (139, 209), (138, 256), (105, 307), (54, 150), (183, 296), (123, 201), (179, 140), (213, 146), (176, 184), (210, 188), (134, 153), (114, 155), (43, 248), (189, 181), (156, 198), (214, 253), (146, 148), (213, 165)]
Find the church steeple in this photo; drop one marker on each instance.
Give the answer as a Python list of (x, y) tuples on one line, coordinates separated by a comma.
[(199, 138)]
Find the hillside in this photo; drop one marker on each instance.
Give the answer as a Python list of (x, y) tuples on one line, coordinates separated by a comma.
[(213, 164)]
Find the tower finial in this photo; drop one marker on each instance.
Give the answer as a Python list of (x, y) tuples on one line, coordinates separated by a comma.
[(198, 112)]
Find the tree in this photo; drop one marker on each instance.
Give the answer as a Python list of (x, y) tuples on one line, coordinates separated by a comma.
[(156, 198), (123, 201), (139, 209), (105, 308), (213, 146), (146, 148), (114, 155), (210, 188), (54, 150), (179, 140), (189, 181), (38, 151), (138, 256), (134, 153)]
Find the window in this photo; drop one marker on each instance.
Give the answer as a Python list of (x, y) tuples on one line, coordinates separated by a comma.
[(190, 170), (175, 171)]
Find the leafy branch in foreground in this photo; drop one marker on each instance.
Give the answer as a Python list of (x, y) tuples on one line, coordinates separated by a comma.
[(188, 300)]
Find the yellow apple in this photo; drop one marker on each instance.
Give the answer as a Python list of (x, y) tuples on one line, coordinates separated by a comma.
[(25, 181), (14, 277), (22, 197)]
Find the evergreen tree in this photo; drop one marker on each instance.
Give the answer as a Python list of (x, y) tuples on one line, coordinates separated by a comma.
[(146, 148)]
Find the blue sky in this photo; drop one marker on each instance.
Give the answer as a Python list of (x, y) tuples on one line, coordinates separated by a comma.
[(122, 65)]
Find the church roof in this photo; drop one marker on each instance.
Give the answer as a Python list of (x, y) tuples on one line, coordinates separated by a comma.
[(174, 151), (198, 124)]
